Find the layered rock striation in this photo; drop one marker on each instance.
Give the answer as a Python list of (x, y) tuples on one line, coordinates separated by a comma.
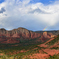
[(20, 33), (15, 35)]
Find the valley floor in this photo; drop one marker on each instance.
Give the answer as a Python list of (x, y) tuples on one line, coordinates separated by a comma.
[(47, 50)]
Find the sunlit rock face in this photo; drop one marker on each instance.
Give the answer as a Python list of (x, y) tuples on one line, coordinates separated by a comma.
[(19, 32), (48, 35), (22, 34), (45, 34)]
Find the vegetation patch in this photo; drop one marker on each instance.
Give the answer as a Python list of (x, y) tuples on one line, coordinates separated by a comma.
[(54, 57), (55, 48), (53, 41)]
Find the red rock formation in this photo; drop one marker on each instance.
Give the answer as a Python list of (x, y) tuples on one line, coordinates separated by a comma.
[(21, 33), (45, 36), (16, 33)]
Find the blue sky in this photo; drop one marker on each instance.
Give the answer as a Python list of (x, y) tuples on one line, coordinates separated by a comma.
[(46, 2), (30, 14), (2, 1), (36, 1)]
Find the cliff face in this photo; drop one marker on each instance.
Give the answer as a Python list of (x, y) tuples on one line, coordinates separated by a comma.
[(20, 33), (45, 36)]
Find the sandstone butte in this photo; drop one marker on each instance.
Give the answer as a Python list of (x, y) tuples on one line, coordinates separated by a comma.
[(21, 33)]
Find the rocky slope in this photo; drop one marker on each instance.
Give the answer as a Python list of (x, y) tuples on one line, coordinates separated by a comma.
[(15, 35), (38, 51)]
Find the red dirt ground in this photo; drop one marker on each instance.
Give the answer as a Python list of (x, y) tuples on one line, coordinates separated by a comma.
[(45, 53)]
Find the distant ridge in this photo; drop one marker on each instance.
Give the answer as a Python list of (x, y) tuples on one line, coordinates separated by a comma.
[(54, 32), (21, 34)]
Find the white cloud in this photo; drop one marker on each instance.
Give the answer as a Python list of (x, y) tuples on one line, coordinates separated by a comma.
[(18, 14)]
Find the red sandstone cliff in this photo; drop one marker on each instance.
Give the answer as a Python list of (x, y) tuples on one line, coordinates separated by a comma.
[(20, 33)]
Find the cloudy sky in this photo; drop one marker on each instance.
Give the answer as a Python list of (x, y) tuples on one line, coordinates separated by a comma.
[(30, 14)]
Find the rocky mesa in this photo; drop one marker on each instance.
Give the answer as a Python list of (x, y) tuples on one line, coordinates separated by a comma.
[(21, 33)]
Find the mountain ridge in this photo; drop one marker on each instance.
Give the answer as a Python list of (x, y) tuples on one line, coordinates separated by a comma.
[(22, 34)]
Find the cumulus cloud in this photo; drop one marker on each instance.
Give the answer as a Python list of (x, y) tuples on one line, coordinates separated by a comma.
[(21, 13)]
